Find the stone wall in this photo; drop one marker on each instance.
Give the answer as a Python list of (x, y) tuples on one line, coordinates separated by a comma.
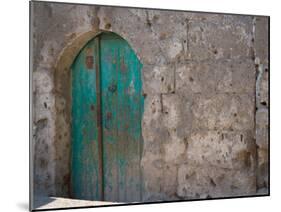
[(205, 82), (261, 26)]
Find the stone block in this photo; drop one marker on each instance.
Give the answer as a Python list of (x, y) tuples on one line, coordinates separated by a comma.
[(174, 149), (223, 76), (221, 36), (262, 168), (43, 106), (204, 111), (262, 138), (170, 180), (163, 129), (170, 28), (42, 82), (160, 180), (235, 112), (196, 182), (262, 86), (152, 127), (261, 39), (153, 181), (223, 111), (194, 77), (262, 128), (153, 108), (171, 104), (158, 79), (43, 160), (228, 150), (153, 131), (235, 76), (177, 115)]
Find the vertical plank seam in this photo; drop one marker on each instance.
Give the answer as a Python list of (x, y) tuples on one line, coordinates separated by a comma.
[(99, 118)]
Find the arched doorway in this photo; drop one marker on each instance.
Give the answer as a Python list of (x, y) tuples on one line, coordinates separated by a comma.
[(107, 107)]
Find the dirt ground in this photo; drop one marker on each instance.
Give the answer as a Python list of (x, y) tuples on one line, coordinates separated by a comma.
[(59, 202)]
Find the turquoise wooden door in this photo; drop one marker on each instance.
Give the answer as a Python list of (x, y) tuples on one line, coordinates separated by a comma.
[(107, 108)]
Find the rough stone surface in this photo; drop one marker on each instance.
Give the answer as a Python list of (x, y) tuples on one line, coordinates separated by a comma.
[(261, 39), (261, 27), (228, 150), (158, 79), (262, 128), (224, 111), (205, 82), (219, 36), (210, 182), (262, 169)]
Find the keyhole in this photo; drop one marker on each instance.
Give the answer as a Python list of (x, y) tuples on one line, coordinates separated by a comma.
[(112, 88)]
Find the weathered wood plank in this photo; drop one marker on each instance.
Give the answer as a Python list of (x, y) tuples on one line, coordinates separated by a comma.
[(122, 99), (84, 163), (109, 83)]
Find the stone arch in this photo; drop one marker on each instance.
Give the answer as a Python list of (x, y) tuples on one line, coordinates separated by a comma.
[(62, 93)]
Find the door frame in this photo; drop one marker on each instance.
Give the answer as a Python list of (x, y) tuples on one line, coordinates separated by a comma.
[(63, 103)]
